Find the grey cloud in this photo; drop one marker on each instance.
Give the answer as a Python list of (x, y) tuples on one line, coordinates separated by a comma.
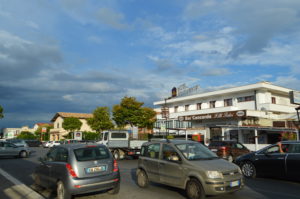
[(23, 59), (256, 22)]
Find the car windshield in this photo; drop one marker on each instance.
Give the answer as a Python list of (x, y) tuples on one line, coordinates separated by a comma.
[(196, 151), (91, 153)]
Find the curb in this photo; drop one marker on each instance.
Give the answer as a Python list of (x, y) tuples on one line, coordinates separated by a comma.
[(20, 188)]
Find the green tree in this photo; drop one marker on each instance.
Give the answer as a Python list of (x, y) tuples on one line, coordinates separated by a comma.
[(90, 136), (26, 135), (71, 124), (131, 111), (147, 118), (101, 120), (1, 112), (45, 135)]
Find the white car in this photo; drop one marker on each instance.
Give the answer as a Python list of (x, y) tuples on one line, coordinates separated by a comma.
[(55, 143), (48, 144)]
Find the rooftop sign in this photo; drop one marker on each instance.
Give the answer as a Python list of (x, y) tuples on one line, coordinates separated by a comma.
[(183, 90), (229, 114), (295, 97)]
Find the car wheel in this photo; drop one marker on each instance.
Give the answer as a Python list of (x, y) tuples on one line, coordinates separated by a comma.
[(142, 179), (115, 190), (230, 158), (62, 193), (23, 154), (248, 169), (194, 190), (116, 154)]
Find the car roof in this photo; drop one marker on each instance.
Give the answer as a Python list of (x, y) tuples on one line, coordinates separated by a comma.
[(170, 141), (77, 145), (290, 142)]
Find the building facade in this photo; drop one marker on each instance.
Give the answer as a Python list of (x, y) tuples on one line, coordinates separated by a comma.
[(58, 132), (256, 115)]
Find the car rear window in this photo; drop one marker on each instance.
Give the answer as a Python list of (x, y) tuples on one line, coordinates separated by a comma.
[(89, 153)]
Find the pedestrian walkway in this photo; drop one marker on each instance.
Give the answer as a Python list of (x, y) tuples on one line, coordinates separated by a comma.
[(11, 188)]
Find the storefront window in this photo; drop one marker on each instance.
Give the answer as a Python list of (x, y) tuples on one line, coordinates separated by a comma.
[(248, 137)]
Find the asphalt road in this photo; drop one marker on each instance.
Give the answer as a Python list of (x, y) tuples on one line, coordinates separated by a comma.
[(260, 188)]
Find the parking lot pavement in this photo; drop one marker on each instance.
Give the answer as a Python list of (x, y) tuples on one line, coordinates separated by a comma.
[(11, 188)]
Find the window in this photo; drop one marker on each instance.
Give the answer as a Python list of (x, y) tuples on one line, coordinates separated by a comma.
[(199, 106), (153, 151), (61, 155), (273, 100), (227, 102), (118, 135), (91, 153), (57, 125), (212, 104), (245, 99), (176, 109), (187, 107), (169, 152)]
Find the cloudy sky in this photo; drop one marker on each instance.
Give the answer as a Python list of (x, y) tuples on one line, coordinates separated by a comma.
[(75, 55)]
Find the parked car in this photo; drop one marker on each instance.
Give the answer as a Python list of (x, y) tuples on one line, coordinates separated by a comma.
[(187, 165), (10, 149), (48, 144), (33, 143), (55, 143), (228, 149), (269, 161), (74, 169), (18, 142)]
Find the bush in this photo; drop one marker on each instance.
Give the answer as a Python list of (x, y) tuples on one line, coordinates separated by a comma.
[(25, 135)]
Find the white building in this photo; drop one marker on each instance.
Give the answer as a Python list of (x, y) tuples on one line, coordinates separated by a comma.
[(9, 133), (58, 132), (256, 115)]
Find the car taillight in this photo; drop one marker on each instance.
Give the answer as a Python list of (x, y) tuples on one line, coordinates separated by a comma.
[(116, 168), (224, 148), (71, 171)]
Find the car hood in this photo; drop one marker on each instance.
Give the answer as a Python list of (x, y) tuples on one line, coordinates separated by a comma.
[(214, 165)]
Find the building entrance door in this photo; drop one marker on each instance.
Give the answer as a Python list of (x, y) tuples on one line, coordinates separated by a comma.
[(215, 133)]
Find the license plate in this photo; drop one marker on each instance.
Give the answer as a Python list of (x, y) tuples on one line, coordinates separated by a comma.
[(95, 169), (234, 183), (137, 152)]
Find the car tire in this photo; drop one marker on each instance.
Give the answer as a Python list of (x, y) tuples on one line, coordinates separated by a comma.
[(114, 190), (230, 158), (194, 189), (142, 179), (116, 155), (23, 154), (62, 192), (248, 169)]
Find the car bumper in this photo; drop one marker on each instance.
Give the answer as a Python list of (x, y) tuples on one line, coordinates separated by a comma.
[(220, 187), (89, 185)]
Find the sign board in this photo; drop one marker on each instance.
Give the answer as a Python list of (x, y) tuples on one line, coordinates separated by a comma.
[(295, 97), (135, 132), (78, 135), (44, 130), (163, 127), (229, 114), (165, 112)]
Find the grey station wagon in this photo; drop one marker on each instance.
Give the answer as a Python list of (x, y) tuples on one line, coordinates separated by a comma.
[(187, 165), (78, 168)]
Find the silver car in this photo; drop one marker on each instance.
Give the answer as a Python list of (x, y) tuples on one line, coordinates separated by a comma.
[(187, 165), (10, 149), (78, 168)]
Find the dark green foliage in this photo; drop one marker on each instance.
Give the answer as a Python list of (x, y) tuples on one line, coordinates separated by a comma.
[(101, 119), (71, 124), (90, 136), (130, 111), (25, 135), (1, 112)]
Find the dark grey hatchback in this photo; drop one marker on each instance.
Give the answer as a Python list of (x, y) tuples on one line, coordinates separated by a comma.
[(78, 168)]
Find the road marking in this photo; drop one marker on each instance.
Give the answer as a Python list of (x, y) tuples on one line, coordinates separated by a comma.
[(26, 192)]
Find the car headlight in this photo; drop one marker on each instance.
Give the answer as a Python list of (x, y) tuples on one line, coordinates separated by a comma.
[(240, 171), (214, 174)]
